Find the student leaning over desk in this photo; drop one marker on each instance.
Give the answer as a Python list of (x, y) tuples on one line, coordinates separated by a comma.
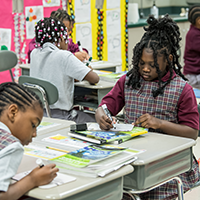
[(156, 97), (21, 112), (51, 61), (192, 48)]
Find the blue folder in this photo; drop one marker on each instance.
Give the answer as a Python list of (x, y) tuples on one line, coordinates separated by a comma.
[(196, 92)]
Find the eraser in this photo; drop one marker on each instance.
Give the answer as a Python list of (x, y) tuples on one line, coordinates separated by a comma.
[(78, 127)]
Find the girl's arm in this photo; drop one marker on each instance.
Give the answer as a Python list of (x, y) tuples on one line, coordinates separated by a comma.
[(39, 176)]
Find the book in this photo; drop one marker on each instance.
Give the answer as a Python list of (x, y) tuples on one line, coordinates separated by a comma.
[(96, 168), (103, 137), (58, 180)]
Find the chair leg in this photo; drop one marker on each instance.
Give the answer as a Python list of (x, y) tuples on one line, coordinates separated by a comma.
[(11, 75)]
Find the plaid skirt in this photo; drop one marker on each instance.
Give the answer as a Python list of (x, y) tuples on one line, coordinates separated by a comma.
[(168, 191)]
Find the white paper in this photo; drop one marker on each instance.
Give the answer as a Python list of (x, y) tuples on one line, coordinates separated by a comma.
[(119, 127), (51, 3), (84, 35), (59, 180), (82, 11), (114, 48), (5, 37), (113, 4), (32, 12), (113, 22), (46, 125)]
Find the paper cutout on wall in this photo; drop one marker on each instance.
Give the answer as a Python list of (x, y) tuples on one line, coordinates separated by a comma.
[(84, 34), (51, 3), (82, 11), (113, 22), (113, 4), (114, 48), (5, 37), (32, 14)]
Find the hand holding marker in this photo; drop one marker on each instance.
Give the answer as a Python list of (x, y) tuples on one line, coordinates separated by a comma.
[(105, 109), (88, 63), (40, 163)]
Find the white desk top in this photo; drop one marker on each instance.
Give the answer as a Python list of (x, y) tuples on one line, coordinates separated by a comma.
[(66, 190), (100, 85)]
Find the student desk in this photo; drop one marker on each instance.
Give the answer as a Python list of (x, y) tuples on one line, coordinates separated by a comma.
[(108, 188), (104, 65), (84, 88)]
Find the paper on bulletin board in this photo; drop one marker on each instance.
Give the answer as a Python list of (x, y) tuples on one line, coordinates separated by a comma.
[(111, 4), (82, 11), (84, 35), (32, 14), (113, 22), (51, 3), (5, 37), (114, 48)]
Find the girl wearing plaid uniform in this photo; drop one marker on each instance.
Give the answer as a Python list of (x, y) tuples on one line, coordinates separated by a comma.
[(156, 96)]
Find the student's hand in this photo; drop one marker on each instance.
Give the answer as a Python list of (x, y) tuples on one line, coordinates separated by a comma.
[(148, 121), (82, 55), (90, 67), (44, 175), (105, 123)]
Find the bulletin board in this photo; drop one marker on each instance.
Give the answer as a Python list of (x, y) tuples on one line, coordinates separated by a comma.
[(102, 31)]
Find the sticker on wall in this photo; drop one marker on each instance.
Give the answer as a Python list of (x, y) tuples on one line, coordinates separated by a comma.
[(82, 11), (51, 3), (84, 35), (32, 14), (5, 37)]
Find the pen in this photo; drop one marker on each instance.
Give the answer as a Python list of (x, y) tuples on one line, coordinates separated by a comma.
[(108, 113), (58, 149), (89, 60), (40, 163), (79, 46)]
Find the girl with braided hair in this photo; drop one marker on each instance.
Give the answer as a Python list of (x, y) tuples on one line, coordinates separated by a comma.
[(21, 111), (192, 50), (155, 95), (51, 61)]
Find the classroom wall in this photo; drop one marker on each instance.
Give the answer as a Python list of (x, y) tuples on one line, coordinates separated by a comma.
[(159, 3)]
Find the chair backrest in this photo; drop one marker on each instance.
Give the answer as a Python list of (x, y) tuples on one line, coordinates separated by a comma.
[(8, 60), (47, 92)]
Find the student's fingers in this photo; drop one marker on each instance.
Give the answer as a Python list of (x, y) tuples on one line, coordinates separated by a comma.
[(105, 123)]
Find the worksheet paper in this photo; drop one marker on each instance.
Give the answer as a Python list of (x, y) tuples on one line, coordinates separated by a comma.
[(59, 180)]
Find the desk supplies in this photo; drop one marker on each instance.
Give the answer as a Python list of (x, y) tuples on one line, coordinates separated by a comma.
[(102, 137), (88, 62), (56, 149), (59, 180), (78, 127), (40, 163), (107, 112)]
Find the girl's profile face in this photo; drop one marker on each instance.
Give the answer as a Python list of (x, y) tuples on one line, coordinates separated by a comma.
[(146, 65), (25, 123)]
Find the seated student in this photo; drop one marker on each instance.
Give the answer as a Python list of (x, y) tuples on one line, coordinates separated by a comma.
[(156, 97), (21, 112), (63, 16), (192, 50), (52, 62)]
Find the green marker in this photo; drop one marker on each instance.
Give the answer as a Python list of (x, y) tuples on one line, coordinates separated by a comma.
[(88, 63)]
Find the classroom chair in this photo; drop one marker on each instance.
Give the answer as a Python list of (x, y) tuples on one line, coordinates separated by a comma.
[(47, 92), (8, 60)]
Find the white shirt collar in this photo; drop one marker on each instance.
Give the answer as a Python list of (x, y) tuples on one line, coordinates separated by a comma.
[(4, 127)]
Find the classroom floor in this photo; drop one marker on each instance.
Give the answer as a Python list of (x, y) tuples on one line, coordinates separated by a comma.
[(195, 193)]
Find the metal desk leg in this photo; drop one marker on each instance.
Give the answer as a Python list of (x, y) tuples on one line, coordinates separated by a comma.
[(179, 188)]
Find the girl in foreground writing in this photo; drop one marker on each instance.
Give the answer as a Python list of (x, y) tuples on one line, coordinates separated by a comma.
[(156, 96), (21, 112)]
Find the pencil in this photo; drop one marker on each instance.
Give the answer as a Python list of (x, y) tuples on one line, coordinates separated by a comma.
[(58, 149)]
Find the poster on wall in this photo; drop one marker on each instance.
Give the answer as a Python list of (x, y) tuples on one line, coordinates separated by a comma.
[(82, 11), (84, 35), (51, 3), (32, 14), (5, 37), (113, 4)]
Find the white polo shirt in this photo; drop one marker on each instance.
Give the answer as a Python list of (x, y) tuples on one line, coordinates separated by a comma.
[(10, 159), (59, 67)]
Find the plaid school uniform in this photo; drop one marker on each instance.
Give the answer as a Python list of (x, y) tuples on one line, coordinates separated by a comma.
[(141, 101), (6, 139)]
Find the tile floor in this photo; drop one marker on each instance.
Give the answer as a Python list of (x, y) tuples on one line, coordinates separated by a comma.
[(195, 193)]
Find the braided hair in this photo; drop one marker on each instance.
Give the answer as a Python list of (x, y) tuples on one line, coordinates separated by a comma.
[(62, 15), (194, 13), (13, 93), (163, 37), (50, 30)]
